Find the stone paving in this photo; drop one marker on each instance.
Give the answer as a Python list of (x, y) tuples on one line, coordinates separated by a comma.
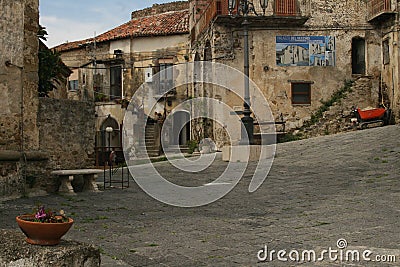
[(319, 190)]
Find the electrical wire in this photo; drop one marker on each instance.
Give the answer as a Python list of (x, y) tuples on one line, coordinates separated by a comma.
[(136, 67)]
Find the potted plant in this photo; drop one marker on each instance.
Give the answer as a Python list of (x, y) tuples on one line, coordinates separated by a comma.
[(44, 227)]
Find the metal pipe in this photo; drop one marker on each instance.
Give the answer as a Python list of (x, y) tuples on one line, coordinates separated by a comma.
[(109, 155), (246, 65), (248, 122), (244, 9)]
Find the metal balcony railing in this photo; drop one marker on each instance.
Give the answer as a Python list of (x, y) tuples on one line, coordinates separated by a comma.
[(276, 8), (208, 15), (286, 8)]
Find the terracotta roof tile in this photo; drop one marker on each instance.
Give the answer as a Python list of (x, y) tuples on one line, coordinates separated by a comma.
[(174, 22)]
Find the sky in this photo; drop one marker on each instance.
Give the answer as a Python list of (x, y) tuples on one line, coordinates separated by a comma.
[(65, 21)]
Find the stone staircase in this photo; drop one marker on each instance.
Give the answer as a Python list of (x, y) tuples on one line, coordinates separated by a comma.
[(363, 93), (152, 144), (175, 149)]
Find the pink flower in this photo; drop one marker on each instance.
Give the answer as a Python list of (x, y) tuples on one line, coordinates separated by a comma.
[(41, 214)]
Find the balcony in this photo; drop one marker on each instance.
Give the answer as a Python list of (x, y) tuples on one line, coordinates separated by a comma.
[(279, 13), (378, 10)]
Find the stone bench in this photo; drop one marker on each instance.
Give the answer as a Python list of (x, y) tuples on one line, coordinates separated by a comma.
[(67, 176)]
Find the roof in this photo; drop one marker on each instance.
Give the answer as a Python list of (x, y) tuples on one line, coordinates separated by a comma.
[(169, 23)]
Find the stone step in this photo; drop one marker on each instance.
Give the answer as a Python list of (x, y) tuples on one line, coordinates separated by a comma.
[(177, 149)]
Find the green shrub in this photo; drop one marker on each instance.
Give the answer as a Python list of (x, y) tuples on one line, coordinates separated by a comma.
[(336, 97), (192, 145)]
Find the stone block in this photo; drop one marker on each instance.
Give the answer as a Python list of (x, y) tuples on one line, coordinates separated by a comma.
[(16, 252), (243, 153)]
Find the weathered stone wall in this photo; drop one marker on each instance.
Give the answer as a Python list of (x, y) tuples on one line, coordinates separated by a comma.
[(344, 20), (23, 174), (18, 74), (65, 128), (81, 58), (274, 81), (31, 78), (391, 70), (18, 90), (11, 182), (11, 50), (174, 54), (338, 116), (160, 8), (338, 14), (67, 132)]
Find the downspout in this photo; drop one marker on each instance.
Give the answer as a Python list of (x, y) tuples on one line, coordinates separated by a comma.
[(122, 81), (381, 82)]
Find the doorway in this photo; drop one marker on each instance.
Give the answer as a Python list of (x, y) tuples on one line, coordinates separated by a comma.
[(358, 55), (180, 128), (107, 141)]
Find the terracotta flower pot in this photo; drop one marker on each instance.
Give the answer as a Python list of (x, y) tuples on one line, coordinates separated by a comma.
[(44, 234)]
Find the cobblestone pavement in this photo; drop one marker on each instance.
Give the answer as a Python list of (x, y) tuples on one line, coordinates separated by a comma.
[(318, 191)]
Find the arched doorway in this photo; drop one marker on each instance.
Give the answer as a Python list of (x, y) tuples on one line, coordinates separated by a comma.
[(110, 139), (358, 55), (180, 128), (107, 141)]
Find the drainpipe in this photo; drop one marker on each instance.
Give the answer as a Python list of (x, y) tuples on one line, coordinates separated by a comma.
[(122, 81)]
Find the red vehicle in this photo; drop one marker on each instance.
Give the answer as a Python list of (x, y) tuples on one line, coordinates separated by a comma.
[(363, 117)]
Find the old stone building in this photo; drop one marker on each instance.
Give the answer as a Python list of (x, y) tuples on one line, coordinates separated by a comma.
[(301, 52), (110, 67), (59, 82), (37, 135), (384, 16)]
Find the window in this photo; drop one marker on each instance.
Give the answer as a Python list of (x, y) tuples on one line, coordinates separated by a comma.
[(166, 77), (97, 82), (73, 85), (115, 82), (385, 48), (301, 93)]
